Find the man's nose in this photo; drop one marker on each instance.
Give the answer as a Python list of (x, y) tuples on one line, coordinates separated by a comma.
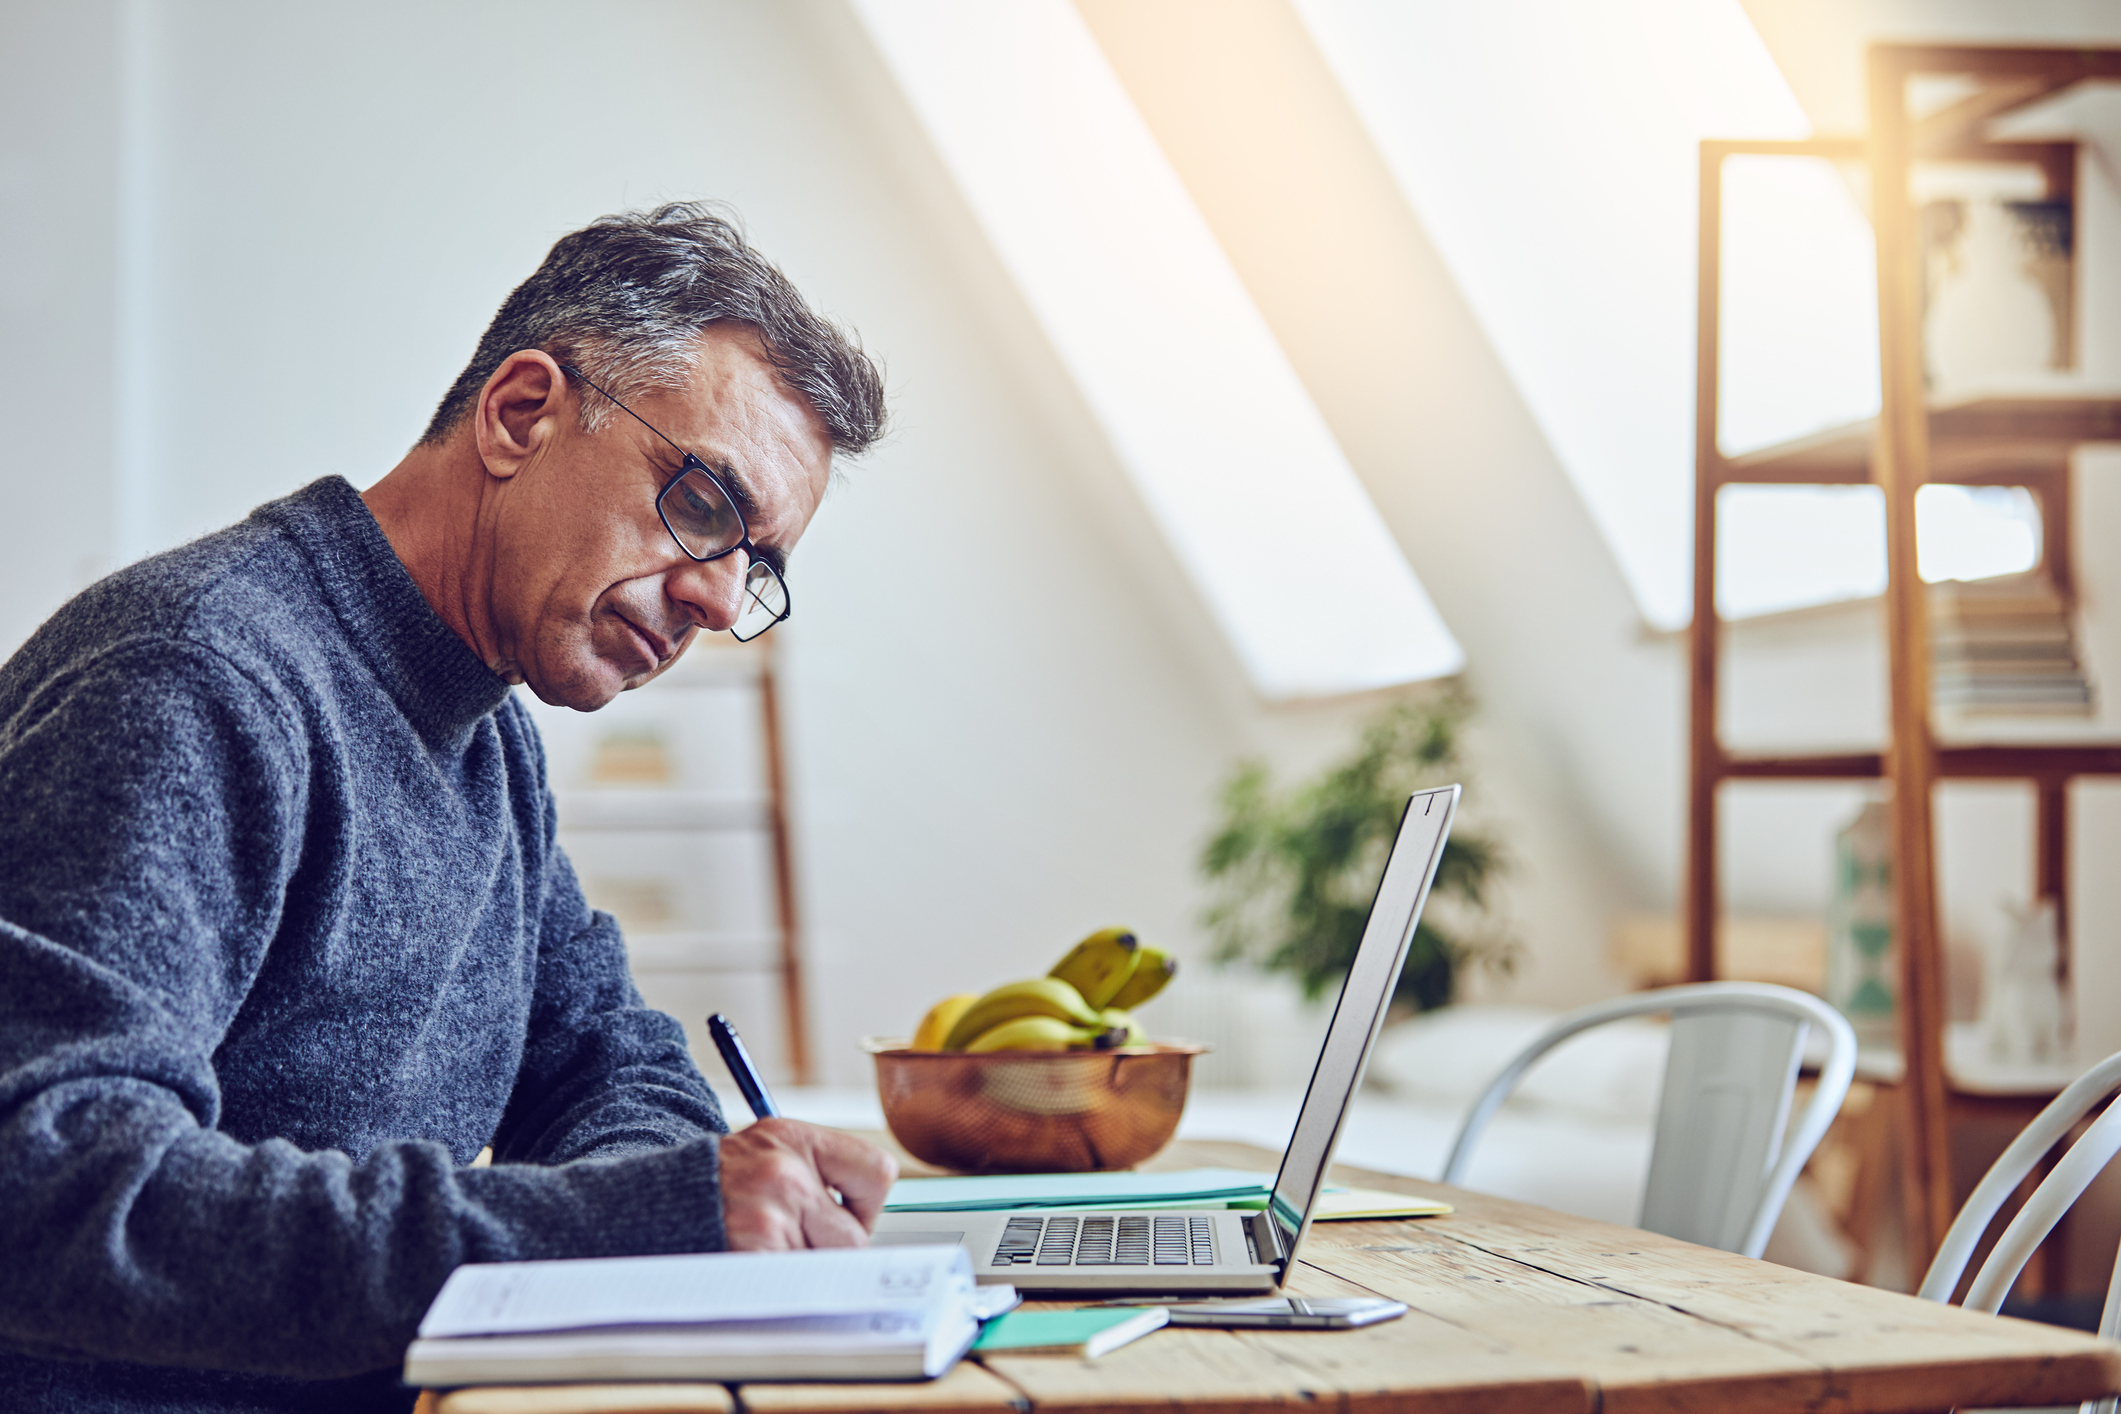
[(711, 591)]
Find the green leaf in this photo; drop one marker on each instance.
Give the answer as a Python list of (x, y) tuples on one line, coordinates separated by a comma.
[(1292, 872)]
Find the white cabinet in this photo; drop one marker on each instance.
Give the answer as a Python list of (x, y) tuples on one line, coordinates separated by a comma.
[(670, 806)]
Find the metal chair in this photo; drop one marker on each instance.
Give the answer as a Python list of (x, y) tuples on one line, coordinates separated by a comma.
[(1720, 1167), (2083, 1163)]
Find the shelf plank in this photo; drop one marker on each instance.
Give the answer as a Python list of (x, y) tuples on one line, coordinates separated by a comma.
[(1969, 440), (727, 950), (658, 808), (2030, 761), (1825, 766)]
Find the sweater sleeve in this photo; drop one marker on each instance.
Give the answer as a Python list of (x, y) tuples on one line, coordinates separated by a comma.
[(603, 1073), (151, 805)]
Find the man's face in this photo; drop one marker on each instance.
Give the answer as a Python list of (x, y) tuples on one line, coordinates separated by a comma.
[(589, 593)]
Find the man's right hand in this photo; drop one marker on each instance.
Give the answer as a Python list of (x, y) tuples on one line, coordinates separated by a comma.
[(777, 1182)]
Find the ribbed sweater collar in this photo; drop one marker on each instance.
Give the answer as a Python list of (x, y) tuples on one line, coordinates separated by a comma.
[(436, 680)]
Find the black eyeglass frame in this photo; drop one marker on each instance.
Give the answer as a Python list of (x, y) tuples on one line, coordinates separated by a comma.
[(692, 463)]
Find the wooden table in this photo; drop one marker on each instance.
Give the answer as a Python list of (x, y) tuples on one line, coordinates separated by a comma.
[(1514, 1307)]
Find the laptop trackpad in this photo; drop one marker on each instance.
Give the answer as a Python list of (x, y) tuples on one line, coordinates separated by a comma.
[(900, 1238)]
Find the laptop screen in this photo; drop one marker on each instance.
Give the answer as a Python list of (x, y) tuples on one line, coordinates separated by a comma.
[(1361, 1010)]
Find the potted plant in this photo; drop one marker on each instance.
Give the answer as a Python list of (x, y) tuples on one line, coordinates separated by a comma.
[(1293, 871)]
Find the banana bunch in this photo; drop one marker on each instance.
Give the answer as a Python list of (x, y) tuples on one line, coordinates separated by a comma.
[(1084, 1003)]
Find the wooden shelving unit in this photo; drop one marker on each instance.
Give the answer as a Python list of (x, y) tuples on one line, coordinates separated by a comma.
[(1990, 441), (692, 831)]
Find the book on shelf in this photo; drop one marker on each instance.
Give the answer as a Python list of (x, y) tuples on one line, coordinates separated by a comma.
[(2006, 646), (875, 1313)]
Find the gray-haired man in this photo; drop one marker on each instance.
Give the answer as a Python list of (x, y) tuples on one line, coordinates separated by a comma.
[(285, 938)]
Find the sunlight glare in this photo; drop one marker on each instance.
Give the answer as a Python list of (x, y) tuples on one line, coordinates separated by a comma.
[(1232, 458), (1551, 150)]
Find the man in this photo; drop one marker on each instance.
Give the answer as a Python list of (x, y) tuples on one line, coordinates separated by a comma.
[(285, 939)]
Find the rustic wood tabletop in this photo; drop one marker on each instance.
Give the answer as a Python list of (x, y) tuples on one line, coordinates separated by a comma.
[(1513, 1307)]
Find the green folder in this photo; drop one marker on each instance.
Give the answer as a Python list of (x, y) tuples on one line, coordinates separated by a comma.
[(1075, 1190), (1120, 1192)]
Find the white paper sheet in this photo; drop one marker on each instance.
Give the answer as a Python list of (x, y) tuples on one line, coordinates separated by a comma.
[(514, 1297)]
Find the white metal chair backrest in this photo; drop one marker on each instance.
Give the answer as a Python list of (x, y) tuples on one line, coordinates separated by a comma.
[(1721, 1167), (2083, 1163)]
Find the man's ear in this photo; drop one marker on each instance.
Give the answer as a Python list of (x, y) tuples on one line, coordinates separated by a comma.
[(518, 411)]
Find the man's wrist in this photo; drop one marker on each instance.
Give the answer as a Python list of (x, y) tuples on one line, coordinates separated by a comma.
[(641, 1204)]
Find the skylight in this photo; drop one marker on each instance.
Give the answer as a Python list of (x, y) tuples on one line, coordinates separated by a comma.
[(1975, 532), (1791, 547), (1551, 150), (1233, 459), (1799, 310)]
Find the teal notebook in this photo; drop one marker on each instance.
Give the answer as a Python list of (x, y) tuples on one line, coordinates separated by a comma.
[(1188, 1188), (1089, 1332), (1073, 1190)]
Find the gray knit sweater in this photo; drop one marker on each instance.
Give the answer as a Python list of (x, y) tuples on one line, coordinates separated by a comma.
[(285, 939)]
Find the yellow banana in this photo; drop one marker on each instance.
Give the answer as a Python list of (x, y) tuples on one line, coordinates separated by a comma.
[(1152, 968), (1099, 965), (1132, 1033), (940, 1018), (1037, 996), (1035, 1033)]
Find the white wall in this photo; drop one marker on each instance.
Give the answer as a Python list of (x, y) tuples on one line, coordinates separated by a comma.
[(59, 105), (1007, 712)]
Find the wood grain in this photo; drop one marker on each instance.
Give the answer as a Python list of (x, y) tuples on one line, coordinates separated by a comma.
[(965, 1389), (1513, 1307), (1658, 1324), (1219, 1372), (587, 1399)]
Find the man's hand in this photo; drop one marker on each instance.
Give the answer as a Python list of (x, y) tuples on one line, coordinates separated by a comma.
[(777, 1182)]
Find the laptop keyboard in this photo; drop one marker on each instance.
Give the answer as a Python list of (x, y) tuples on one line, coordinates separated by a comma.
[(1120, 1241)]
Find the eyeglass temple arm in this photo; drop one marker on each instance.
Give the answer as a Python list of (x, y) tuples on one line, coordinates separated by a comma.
[(573, 372)]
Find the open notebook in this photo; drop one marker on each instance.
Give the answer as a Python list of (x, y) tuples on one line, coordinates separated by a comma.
[(903, 1313)]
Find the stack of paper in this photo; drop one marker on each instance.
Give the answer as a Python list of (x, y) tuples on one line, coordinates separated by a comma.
[(880, 1313), (2006, 645)]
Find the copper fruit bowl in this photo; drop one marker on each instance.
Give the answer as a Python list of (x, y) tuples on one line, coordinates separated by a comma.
[(1033, 1111)]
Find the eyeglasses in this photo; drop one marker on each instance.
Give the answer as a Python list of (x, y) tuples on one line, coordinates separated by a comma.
[(701, 515)]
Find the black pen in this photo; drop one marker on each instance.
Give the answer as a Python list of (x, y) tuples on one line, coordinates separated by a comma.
[(746, 1075)]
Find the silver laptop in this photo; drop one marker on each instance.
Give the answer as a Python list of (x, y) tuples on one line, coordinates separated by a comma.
[(1077, 1250)]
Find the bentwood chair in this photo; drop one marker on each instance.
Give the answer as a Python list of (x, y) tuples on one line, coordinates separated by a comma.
[(2086, 1159), (1721, 1166)]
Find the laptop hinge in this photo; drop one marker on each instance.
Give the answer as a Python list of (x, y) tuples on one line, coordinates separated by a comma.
[(1264, 1238)]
